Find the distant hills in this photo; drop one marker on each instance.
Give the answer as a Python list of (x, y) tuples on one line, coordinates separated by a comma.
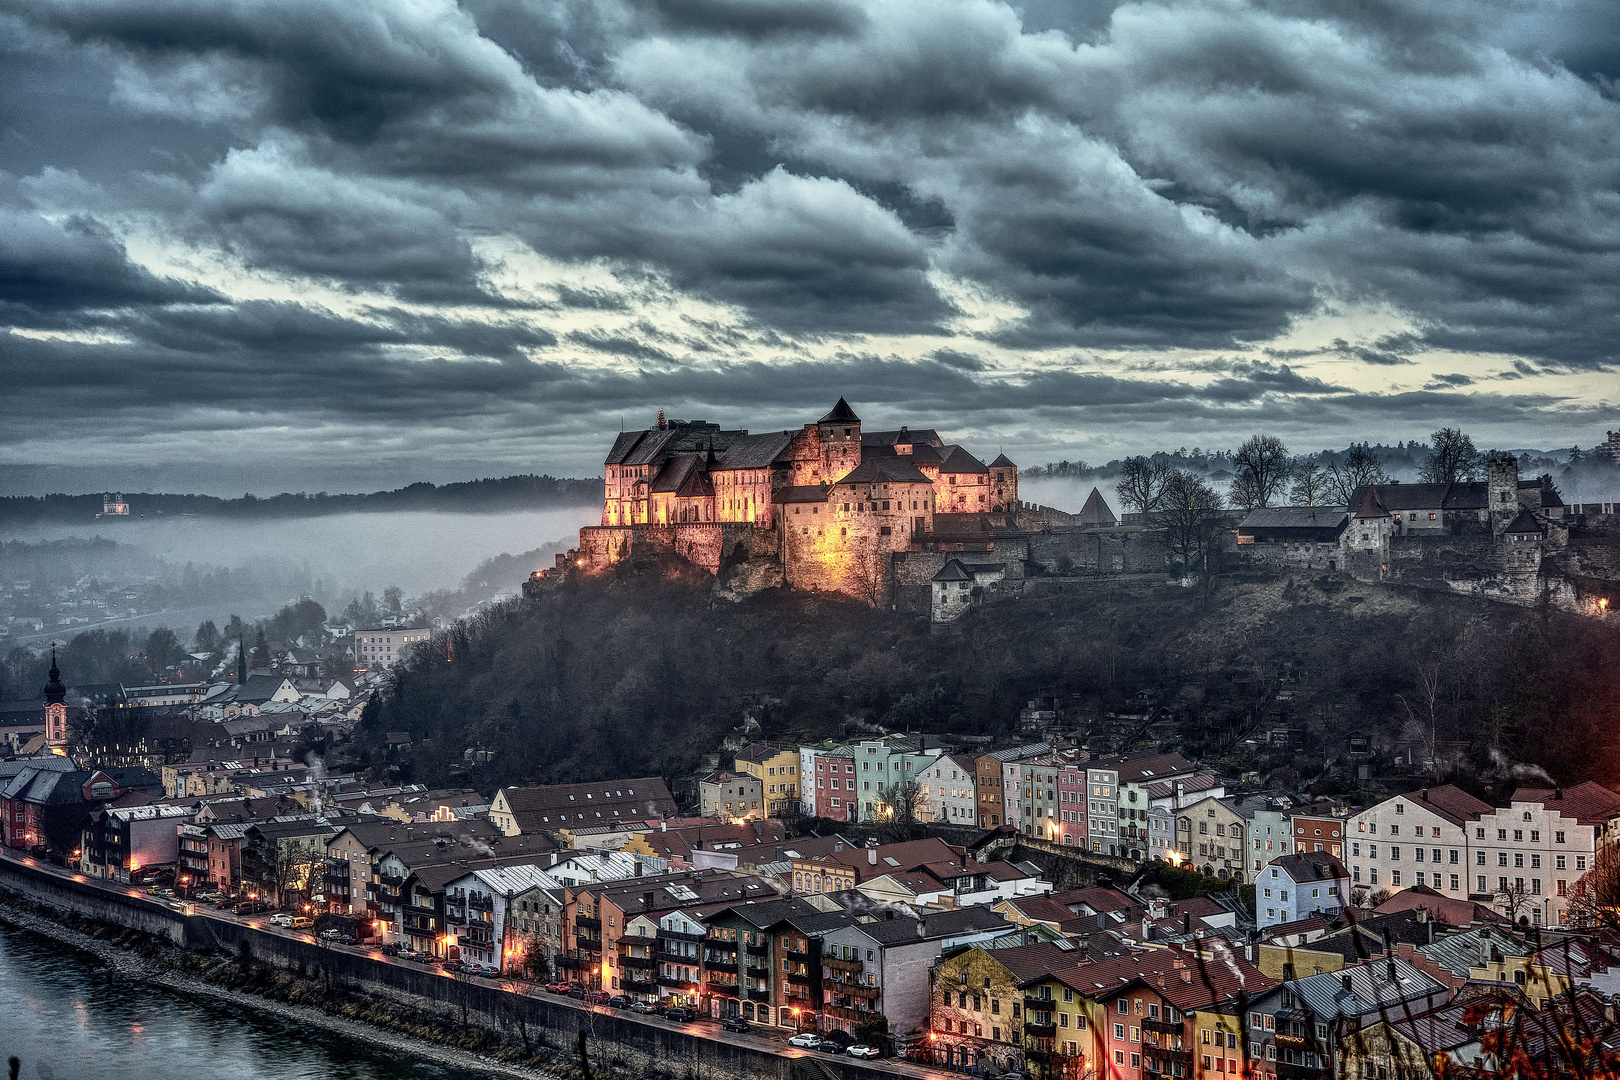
[(527, 492)]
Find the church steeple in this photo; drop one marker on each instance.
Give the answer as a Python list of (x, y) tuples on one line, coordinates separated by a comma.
[(56, 728), (241, 661)]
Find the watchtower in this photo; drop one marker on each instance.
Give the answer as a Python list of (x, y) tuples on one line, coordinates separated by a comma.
[(1502, 487)]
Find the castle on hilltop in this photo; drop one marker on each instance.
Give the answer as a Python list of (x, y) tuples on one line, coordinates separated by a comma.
[(829, 507)]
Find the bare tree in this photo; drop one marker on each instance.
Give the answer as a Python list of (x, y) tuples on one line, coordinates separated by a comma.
[(901, 800), (1311, 484), (1358, 468), (1517, 901), (1262, 468), (1595, 899), (1454, 458), (1141, 484), (1189, 512), (1422, 706), (868, 576)]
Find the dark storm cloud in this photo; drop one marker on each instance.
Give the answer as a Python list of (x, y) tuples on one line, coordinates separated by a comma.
[(1154, 177), (50, 272)]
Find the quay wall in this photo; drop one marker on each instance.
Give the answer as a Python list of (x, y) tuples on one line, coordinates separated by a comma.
[(646, 1047)]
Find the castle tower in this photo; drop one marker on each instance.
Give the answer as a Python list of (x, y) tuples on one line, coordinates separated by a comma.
[(1003, 484), (56, 726), (840, 440), (1502, 485)]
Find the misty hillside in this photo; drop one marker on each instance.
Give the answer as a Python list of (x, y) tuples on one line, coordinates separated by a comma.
[(643, 675)]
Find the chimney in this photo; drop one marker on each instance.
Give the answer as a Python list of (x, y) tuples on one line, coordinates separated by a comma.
[(1102, 921), (1344, 980), (638, 867), (871, 856), (553, 858), (663, 826), (1392, 971), (1147, 929), (646, 901), (1186, 922)]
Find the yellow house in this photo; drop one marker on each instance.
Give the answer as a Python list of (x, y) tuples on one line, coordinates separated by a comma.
[(777, 767)]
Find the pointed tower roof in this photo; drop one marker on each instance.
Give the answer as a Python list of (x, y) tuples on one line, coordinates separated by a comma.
[(1096, 511), (54, 691), (841, 414), (1004, 462), (1370, 506)]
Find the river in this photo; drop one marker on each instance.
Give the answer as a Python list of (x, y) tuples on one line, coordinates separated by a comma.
[(68, 1018)]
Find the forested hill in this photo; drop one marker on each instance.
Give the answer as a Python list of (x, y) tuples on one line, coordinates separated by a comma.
[(640, 676), (526, 492)]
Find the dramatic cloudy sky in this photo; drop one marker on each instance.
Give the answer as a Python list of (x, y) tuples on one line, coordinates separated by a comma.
[(339, 243)]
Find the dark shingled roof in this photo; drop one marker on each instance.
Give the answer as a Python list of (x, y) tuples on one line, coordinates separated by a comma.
[(1468, 496), (1589, 803), (841, 414), (1370, 507), (1296, 517), (960, 461), (755, 451), (1450, 802), (1525, 523), (1097, 511), (1404, 496), (674, 472), (623, 445), (952, 571), (914, 436), (1003, 462), (877, 470), (647, 450)]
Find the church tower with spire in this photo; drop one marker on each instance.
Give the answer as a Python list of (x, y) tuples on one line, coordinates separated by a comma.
[(56, 725)]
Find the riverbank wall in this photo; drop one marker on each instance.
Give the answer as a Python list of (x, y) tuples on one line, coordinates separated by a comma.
[(614, 1038)]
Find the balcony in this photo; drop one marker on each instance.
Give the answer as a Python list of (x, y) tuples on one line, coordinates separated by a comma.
[(843, 1013), (800, 978), (727, 963), (626, 940), (841, 965), (585, 922), (1284, 1039), (589, 944), (1038, 1004), (677, 935), (1040, 1031), (667, 957), (758, 972), (1164, 1026), (798, 956), (852, 989), (1286, 1071), (637, 986), (759, 995), (758, 950), (640, 963), (669, 980), (571, 962)]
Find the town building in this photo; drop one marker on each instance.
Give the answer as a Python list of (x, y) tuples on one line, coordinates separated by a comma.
[(947, 791), (547, 809), (777, 767), (1210, 837), (731, 796), (383, 646), (120, 839), (1386, 841), (1294, 887)]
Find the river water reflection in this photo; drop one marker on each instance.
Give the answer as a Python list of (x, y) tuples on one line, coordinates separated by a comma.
[(67, 1018)]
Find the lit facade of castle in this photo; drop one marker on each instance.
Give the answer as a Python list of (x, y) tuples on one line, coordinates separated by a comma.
[(828, 504)]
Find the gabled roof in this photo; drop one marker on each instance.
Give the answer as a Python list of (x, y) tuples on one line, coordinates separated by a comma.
[(1448, 801), (917, 437), (1370, 988), (1369, 506), (1311, 866), (623, 445), (1296, 517), (1444, 909), (841, 414), (1590, 803), (952, 571), (878, 470), (958, 460), (1097, 511), (1525, 522), (673, 473), (1150, 766), (1002, 462), (754, 451), (1468, 495), (647, 449)]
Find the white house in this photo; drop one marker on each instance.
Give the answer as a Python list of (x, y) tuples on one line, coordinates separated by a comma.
[(946, 791), (1528, 855), (1420, 838), (1294, 887)]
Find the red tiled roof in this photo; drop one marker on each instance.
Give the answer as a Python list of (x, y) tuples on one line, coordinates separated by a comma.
[(1589, 803), (1450, 802)]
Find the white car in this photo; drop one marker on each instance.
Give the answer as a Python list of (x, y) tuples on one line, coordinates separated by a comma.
[(280, 919), (809, 1040), (861, 1050)]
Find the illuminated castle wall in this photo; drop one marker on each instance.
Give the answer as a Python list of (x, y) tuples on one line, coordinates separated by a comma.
[(829, 503)]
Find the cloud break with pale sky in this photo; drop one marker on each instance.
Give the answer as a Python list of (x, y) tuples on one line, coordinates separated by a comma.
[(352, 243)]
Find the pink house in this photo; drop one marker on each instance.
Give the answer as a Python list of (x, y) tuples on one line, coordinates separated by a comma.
[(834, 785), (1071, 786)]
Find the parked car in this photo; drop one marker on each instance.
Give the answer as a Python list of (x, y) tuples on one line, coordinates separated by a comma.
[(679, 1015), (301, 922), (250, 907), (559, 987), (577, 992), (281, 919), (598, 997), (640, 1007), (737, 1023), (391, 949), (862, 1050), (807, 1040), (829, 1046), (619, 1001), (331, 935)]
